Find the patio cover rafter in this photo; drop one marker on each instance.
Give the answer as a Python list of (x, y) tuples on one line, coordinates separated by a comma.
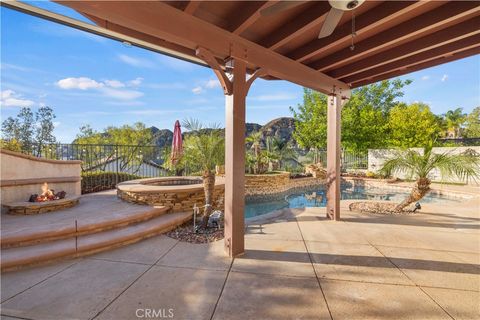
[(161, 20)]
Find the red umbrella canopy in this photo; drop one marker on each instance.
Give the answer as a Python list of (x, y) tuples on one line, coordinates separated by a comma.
[(176, 143)]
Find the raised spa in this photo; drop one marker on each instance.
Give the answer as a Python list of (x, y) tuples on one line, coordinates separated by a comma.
[(177, 193)]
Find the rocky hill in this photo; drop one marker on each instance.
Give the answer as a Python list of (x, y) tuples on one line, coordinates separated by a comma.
[(281, 128)]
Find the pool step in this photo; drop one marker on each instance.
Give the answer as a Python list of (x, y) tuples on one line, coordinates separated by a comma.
[(23, 238), (16, 257)]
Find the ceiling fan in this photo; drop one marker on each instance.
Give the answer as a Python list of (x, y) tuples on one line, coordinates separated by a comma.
[(333, 16)]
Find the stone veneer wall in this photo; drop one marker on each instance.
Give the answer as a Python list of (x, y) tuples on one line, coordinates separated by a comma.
[(177, 201), (275, 185), (23, 175)]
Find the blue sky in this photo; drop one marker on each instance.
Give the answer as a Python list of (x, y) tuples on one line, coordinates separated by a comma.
[(87, 79)]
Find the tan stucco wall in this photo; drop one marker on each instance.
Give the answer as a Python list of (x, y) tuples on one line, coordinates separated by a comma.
[(22, 175)]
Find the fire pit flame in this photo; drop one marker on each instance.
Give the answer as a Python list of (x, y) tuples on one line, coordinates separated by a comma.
[(47, 195)]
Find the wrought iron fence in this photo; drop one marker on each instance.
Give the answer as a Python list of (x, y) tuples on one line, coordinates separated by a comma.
[(103, 166), (349, 160)]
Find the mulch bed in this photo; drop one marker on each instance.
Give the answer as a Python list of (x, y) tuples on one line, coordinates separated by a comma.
[(185, 233), (379, 208)]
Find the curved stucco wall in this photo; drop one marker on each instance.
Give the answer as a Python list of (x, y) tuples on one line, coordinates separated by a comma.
[(22, 175)]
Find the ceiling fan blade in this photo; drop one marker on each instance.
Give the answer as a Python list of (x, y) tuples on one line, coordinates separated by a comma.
[(330, 23), (279, 7)]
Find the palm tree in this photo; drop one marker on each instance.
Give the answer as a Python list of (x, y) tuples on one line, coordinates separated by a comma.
[(283, 151), (205, 148), (255, 138), (455, 119), (464, 166)]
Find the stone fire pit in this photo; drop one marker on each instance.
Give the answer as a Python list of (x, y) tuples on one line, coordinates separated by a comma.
[(25, 207)]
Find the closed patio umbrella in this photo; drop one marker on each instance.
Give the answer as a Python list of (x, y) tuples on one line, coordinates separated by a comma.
[(177, 149)]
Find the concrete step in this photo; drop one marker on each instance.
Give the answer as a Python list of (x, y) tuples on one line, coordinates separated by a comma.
[(14, 258), (102, 222)]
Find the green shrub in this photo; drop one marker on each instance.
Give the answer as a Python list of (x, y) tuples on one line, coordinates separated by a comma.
[(99, 181)]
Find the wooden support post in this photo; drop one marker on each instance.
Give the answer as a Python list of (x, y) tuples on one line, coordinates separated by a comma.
[(333, 156), (235, 159)]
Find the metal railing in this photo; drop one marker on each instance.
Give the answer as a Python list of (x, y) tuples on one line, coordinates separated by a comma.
[(349, 160), (103, 166)]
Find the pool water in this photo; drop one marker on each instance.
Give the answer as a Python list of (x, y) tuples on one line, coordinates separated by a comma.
[(317, 198)]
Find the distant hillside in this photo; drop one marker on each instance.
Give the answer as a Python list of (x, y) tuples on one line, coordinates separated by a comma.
[(281, 128)]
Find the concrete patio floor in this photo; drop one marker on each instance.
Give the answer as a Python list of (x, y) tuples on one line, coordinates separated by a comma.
[(299, 266)]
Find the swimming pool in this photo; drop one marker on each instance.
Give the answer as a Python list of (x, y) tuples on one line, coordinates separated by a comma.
[(317, 198)]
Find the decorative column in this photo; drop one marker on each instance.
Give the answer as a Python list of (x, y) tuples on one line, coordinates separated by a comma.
[(235, 159), (235, 86), (333, 156)]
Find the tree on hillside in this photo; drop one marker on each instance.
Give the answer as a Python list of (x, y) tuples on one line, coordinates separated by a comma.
[(126, 144), (454, 121), (382, 95), (44, 127), (464, 166), (311, 120), (412, 125), (472, 124), (29, 129), (364, 116)]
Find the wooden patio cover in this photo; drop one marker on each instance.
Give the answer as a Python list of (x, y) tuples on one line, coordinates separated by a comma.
[(392, 38)]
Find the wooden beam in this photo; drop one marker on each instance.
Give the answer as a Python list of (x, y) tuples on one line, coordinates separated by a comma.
[(163, 21), (434, 40), (313, 16), (443, 15), (242, 19), (439, 52), (235, 161), (139, 35), (371, 19), (101, 31), (209, 58), (420, 66), (192, 6)]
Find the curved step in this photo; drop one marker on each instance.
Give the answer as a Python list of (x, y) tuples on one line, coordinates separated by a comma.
[(14, 258), (57, 232)]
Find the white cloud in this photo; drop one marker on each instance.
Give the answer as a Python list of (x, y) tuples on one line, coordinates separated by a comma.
[(204, 85), (114, 83), (212, 83), (135, 82), (9, 98), (56, 124), (81, 83), (281, 96), (197, 90), (136, 62), (110, 88), (444, 78), (424, 78), (122, 94)]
